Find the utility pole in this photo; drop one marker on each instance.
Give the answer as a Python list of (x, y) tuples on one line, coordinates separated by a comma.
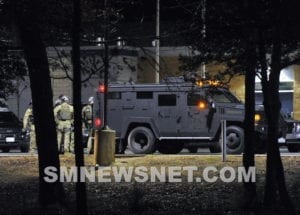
[(104, 145), (157, 41), (106, 63), (203, 32)]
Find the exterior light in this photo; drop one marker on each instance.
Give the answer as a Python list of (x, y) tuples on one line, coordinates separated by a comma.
[(97, 122), (201, 105), (101, 88), (257, 117)]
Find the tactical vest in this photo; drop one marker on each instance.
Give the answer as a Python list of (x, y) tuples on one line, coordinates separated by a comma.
[(65, 112)]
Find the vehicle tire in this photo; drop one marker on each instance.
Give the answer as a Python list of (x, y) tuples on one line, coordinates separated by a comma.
[(193, 149), (293, 148), (234, 140), (24, 149), (141, 140), (166, 147), (5, 150)]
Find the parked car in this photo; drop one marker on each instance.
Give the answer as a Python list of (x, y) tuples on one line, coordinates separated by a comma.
[(292, 136), (288, 131), (11, 133)]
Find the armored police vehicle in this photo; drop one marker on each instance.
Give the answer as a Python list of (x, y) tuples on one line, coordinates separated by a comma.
[(172, 115)]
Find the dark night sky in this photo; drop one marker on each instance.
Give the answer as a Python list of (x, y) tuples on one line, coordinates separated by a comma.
[(169, 10), (140, 20)]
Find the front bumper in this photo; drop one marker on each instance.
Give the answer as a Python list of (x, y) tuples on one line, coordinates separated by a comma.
[(4, 143)]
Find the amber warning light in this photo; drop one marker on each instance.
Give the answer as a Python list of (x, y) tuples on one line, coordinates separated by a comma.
[(101, 88), (202, 105)]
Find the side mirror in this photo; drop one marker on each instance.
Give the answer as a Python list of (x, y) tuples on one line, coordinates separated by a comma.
[(213, 105)]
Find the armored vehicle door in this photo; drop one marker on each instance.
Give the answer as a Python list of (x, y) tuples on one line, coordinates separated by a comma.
[(116, 102), (166, 114), (195, 109), (227, 105)]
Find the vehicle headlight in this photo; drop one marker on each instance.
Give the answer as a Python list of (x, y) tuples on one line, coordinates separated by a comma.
[(257, 117), (297, 127)]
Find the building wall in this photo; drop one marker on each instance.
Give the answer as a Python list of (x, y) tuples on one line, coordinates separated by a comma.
[(123, 68), (297, 92), (169, 66)]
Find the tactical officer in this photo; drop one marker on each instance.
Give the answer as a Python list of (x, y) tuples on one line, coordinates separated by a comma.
[(28, 125), (64, 117), (87, 118), (57, 102)]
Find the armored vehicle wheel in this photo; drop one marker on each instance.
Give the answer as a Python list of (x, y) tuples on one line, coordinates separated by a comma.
[(293, 148), (234, 140), (169, 147), (141, 140)]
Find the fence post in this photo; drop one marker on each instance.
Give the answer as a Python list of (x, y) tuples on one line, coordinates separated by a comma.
[(223, 145)]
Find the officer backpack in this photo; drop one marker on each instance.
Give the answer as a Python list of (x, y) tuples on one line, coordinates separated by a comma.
[(88, 113)]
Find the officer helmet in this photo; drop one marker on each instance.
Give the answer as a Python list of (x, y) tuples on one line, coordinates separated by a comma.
[(64, 99), (91, 100), (57, 102)]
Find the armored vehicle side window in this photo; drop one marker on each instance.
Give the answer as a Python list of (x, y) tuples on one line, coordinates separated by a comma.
[(114, 95), (193, 99), (144, 95), (219, 96), (167, 100)]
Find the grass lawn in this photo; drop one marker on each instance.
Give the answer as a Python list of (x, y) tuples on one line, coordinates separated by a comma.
[(19, 187)]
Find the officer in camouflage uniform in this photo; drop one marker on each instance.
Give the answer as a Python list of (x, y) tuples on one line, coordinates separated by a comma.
[(57, 102), (28, 125), (64, 118), (87, 117)]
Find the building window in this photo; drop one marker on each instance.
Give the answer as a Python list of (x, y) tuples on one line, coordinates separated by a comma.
[(144, 95), (167, 100), (114, 95)]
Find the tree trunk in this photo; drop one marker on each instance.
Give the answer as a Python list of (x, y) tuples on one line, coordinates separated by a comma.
[(79, 159), (40, 83), (275, 180), (248, 156)]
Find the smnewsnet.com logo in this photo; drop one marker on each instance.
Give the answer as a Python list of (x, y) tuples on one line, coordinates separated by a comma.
[(142, 174)]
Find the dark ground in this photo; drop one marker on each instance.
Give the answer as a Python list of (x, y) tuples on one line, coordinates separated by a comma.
[(19, 188)]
